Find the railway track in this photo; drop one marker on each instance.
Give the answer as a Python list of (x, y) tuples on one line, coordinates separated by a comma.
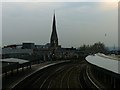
[(69, 75)]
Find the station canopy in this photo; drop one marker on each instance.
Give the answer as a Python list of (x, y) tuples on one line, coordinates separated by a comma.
[(14, 60)]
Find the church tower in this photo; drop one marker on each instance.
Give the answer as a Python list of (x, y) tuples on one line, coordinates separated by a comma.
[(54, 37)]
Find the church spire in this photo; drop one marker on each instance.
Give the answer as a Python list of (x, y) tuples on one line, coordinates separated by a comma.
[(54, 37)]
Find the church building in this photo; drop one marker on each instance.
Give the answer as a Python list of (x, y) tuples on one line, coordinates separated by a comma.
[(49, 51), (54, 37)]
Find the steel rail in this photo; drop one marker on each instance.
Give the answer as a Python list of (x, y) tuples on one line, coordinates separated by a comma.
[(50, 76), (87, 68), (61, 82)]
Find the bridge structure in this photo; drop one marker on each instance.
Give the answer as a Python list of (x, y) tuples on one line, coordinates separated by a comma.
[(105, 69)]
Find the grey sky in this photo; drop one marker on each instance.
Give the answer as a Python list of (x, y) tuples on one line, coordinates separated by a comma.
[(77, 23)]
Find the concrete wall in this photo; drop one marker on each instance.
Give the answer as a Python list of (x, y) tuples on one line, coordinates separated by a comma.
[(106, 77)]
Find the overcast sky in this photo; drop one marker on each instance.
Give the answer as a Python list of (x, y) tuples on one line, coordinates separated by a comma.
[(77, 23)]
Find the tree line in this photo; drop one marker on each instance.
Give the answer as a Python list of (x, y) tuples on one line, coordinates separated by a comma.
[(98, 47)]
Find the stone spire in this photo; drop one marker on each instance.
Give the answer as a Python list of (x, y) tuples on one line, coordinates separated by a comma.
[(54, 37)]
